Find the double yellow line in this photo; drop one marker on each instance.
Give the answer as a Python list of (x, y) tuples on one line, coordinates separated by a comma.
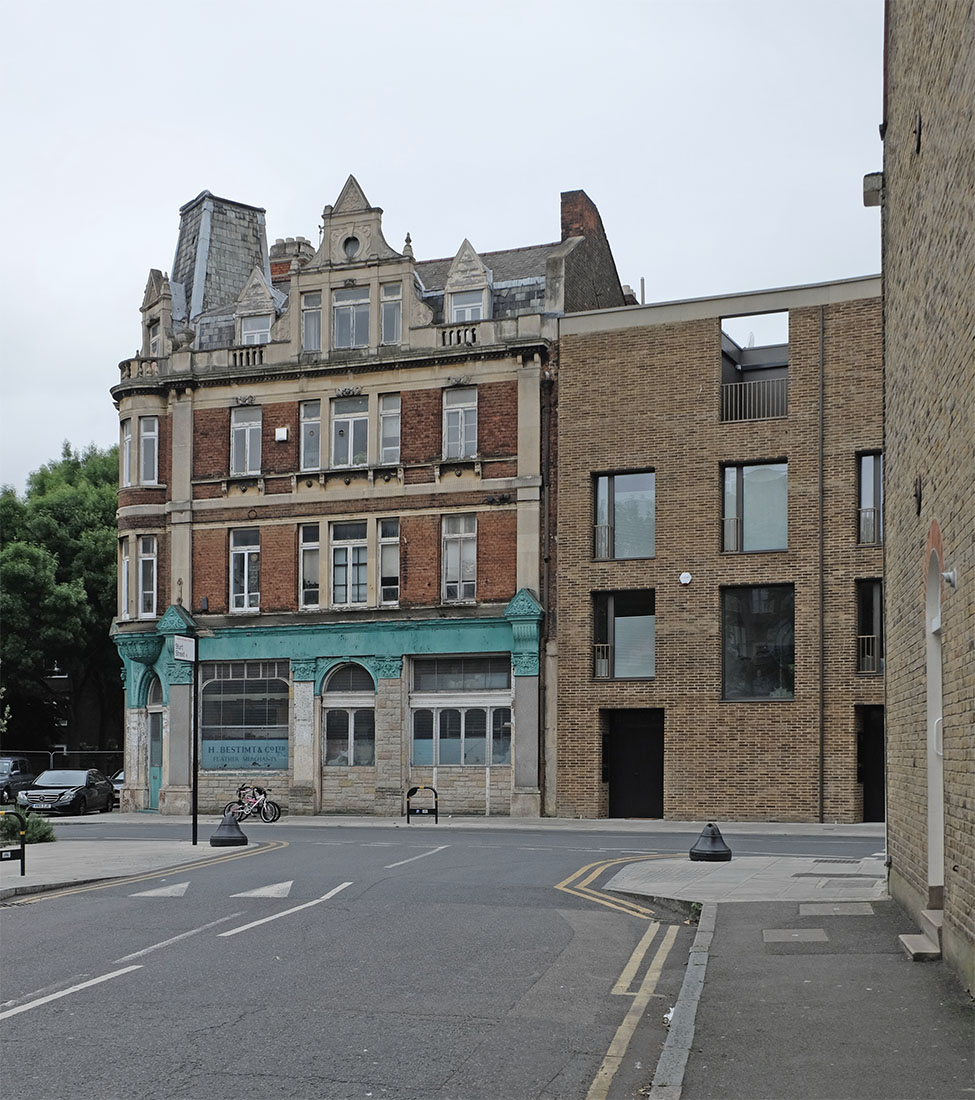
[(580, 882)]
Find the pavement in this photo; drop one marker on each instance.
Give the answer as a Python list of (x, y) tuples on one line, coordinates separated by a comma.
[(796, 985)]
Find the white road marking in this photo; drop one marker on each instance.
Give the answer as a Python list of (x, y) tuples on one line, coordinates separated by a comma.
[(66, 992), (287, 912), (177, 890), (176, 939), (275, 890), (432, 852)]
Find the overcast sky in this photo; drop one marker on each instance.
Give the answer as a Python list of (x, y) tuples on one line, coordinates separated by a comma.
[(724, 142)]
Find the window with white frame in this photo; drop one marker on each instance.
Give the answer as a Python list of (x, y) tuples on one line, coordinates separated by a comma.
[(392, 313), (308, 555), (245, 569), (460, 422), (154, 339), (756, 507), (245, 440), (149, 450), (125, 453), (147, 576), (255, 330), (311, 435), (311, 321), (349, 701), (461, 711), (389, 428), (123, 573), (350, 317), (350, 558), (459, 558), (350, 431), (466, 305), (389, 561)]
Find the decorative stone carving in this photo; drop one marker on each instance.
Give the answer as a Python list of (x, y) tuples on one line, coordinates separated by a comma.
[(178, 672), (524, 664), (388, 668), (176, 620), (143, 648), (523, 605), (304, 669)]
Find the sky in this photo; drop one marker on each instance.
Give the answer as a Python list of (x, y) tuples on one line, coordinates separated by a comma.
[(723, 141)]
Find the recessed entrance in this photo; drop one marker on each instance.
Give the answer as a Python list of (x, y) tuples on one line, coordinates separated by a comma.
[(633, 762), (870, 760)]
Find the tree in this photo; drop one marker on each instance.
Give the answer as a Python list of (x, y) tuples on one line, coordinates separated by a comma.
[(58, 667)]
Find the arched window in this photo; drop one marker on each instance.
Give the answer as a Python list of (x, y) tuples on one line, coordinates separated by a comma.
[(154, 695), (349, 702)]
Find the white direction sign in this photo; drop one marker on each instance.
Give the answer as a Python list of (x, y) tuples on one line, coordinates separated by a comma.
[(184, 648)]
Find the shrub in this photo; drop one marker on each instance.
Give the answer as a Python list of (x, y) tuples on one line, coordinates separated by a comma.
[(39, 829)]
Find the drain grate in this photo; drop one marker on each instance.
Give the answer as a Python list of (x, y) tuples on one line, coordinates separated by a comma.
[(837, 860)]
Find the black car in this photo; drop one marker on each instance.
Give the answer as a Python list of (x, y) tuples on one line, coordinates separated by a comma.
[(16, 774), (69, 791)]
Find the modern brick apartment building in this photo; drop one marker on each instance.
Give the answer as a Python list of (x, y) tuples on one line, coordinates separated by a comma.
[(720, 557), (928, 221), (333, 476)]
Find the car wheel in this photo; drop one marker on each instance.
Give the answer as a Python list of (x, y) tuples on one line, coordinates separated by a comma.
[(82, 806), (107, 808)]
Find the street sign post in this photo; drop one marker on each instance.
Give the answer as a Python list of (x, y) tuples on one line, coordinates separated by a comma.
[(184, 649)]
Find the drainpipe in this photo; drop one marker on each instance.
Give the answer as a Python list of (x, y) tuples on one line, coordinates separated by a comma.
[(548, 386), (822, 581)]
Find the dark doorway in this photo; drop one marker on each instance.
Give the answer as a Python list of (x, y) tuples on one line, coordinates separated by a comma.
[(633, 762), (870, 760)]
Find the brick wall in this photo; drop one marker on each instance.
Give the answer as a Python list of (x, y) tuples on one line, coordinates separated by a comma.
[(649, 398), (929, 323)]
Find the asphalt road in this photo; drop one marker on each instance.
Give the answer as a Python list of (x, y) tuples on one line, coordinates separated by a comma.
[(351, 962)]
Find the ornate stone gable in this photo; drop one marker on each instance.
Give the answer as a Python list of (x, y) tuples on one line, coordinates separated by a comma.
[(176, 620), (467, 271), (256, 297), (352, 231), (157, 286)]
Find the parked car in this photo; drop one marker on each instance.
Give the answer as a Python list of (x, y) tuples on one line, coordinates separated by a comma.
[(118, 782), (68, 791), (16, 775)]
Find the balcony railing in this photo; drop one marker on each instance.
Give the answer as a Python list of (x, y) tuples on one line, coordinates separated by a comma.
[(731, 535), (870, 659), (250, 355), (870, 530), (602, 540), (764, 400), (458, 335), (602, 661)]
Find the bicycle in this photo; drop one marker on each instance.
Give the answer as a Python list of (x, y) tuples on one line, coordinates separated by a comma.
[(253, 800)]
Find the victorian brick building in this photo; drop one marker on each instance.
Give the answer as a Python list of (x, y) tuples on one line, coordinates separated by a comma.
[(333, 476), (720, 558)]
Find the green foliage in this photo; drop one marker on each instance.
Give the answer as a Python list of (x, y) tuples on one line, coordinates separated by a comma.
[(39, 829), (57, 601)]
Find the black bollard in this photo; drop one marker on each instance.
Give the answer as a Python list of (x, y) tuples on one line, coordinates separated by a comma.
[(228, 833), (710, 846)]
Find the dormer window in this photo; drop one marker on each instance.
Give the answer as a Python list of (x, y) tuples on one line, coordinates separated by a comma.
[(350, 317), (154, 341), (466, 305), (255, 330)]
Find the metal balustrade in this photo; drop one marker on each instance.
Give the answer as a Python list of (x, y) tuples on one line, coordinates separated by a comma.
[(763, 400), (869, 658), (869, 527)]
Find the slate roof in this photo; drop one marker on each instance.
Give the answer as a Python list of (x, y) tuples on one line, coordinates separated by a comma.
[(506, 265)]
